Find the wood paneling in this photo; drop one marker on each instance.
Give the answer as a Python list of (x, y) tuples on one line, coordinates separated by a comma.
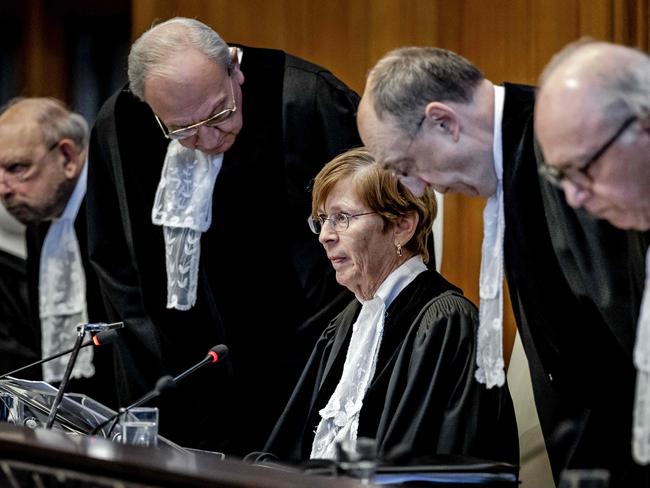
[(508, 39)]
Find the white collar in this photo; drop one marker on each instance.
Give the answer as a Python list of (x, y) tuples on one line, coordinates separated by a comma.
[(399, 279), (497, 141), (74, 202)]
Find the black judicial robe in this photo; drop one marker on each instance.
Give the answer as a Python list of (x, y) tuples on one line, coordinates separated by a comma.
[(100, 386), (423, 399), (575, 284), (19, 337), (265, 288)]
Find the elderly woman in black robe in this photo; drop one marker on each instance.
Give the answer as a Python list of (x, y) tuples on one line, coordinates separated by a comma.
[(397, 365)]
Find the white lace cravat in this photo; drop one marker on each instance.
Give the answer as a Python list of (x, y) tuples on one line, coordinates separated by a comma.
[(340, 417), (62, 291), (183, 206), (641, 426), (489, 354)]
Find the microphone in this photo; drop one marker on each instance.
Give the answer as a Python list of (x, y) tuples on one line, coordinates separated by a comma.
[(99, 339), (215, 354)]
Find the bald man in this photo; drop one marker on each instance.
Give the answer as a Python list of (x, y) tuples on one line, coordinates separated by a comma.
[(43, 184), (592, 122)]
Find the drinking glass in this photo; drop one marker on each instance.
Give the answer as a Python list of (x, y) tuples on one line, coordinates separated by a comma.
[(139, 426)]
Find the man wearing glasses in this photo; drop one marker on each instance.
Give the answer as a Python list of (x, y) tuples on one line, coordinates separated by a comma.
[(592, 122), (43, 149), (198, 194), (432, 117)]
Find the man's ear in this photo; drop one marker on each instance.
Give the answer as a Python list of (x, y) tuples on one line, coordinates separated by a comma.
[(72, 158), (404, 227), (442, 117), (235, 69)]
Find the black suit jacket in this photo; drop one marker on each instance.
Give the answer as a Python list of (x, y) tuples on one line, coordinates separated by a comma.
[(575, 284), (265, 287)]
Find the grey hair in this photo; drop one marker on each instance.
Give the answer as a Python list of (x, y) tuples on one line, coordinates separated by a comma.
[(151, 52), (620, 87), (55, 120), (406, 79)]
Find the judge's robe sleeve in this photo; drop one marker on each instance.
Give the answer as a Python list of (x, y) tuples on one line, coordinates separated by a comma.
[(434, 405), (111, 254)]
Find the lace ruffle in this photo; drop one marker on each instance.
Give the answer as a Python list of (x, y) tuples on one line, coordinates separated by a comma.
[(183, 206)]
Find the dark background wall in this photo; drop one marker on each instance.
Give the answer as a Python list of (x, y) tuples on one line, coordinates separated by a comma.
[(76, 50)]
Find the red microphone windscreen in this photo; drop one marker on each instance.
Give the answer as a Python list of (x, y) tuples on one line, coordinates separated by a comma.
[(218, 352), (104, 337)]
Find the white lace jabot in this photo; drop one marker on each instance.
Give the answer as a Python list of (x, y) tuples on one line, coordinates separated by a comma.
[(62, 291), (340, 417), (641, 426), (183, 206), (489, 355)]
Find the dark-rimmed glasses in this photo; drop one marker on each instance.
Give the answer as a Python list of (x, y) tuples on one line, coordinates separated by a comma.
[(17, 172), (193, 129), (339, 221), (579, 176)]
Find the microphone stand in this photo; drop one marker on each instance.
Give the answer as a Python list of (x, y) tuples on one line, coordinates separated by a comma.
[(81, 332), (100, 339)]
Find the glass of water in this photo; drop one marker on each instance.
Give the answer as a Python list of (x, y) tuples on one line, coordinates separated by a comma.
[(139, 426), (358, 459)]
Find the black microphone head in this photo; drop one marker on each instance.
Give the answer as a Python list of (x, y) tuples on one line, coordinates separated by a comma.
[(105, 337), (164, 383), (218, 352)]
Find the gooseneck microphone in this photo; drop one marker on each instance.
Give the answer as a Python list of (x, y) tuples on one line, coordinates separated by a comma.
[(98, 340), (215, 354)]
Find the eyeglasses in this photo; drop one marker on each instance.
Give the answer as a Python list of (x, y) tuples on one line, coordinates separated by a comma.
[(193, 129), (17, 172), (339, 221), (579, 176)]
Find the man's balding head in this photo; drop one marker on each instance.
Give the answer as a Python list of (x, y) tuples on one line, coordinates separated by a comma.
[(591, 119), (42, 153)]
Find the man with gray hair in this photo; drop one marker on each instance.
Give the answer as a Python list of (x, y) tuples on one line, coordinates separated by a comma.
[(593, 123), (43, 169), (198, 201), (431, 116)]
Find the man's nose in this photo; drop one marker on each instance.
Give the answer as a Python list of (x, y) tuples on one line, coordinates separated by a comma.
[(327, 233)]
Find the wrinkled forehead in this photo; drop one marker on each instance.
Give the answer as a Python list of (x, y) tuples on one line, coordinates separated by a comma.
[(184, 80), (18, 138)]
